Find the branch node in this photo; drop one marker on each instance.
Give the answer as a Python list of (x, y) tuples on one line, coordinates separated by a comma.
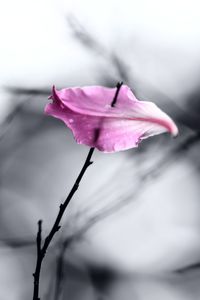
[(41, 251), (58, 228)]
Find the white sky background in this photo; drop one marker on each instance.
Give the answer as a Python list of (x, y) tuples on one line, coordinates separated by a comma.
[(159, 41)]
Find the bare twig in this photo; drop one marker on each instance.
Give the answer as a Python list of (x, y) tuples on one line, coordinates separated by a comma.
[(116, 93), (39, 237), (41, 251)]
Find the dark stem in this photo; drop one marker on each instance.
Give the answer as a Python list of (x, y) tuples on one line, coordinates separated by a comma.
[(39, 237), (41, 251), (119, 84), (97, 131)]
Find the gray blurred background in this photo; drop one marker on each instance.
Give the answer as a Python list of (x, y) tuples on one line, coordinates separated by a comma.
[(132, 230)]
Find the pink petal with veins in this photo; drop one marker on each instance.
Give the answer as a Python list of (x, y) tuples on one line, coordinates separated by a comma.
[(94, 122)]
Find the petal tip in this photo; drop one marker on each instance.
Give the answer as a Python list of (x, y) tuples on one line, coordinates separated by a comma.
[(174, 131), (53, 91), (175, 134)]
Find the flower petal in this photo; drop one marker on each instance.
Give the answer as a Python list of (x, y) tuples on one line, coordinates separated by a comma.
[(88, 113)]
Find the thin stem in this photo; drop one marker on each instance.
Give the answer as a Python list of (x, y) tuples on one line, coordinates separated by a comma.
[(119, 84), (39, 237), (97, 131), (41, 251)]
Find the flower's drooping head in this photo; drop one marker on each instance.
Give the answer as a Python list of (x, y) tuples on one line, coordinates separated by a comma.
[(94, 122)]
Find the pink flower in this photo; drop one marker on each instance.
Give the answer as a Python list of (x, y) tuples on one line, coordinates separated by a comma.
[(94, 122)]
